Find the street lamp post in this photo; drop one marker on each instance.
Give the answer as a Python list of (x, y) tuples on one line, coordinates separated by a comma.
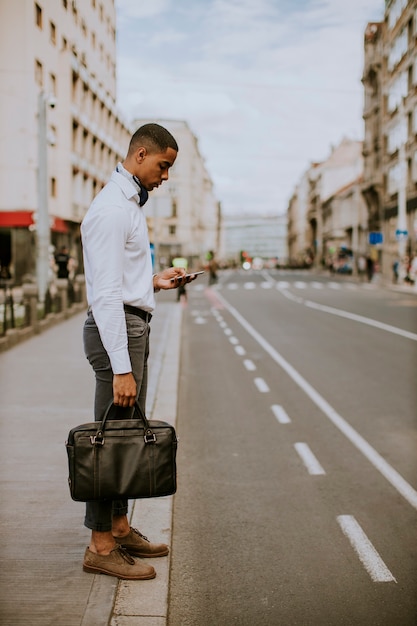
[(42, 221), (402, 187)]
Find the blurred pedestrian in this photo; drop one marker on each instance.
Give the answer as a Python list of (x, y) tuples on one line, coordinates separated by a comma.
[(181, 261), (120, 293), (369, 268), (62, 259), (212, 267)]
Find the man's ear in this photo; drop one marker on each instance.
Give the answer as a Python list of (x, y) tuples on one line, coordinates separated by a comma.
[(140, 154)]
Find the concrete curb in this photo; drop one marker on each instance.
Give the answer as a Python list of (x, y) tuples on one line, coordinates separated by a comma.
[(145, 603)]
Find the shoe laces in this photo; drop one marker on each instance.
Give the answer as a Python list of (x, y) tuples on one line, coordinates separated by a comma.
[(125, 555), (135, 530)]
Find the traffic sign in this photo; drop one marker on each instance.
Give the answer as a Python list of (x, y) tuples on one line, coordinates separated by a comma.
[(401, 235), (375, 238)]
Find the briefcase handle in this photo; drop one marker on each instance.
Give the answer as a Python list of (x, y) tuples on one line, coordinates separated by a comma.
[(149, 436)]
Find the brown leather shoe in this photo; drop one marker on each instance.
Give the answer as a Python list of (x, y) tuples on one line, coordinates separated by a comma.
[(139, 545), (118, 563)]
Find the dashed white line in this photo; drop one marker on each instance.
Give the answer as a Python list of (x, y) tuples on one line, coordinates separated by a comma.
[(280, 414), (250, 365), (392, 476), (310, 461), (366, 552), (261, 384), (240, 350), (234, 340)]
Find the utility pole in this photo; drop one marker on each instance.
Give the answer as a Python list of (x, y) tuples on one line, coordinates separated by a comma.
[(42, 221), (401, 232)]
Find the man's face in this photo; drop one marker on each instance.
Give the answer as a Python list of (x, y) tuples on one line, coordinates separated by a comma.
[(153, 167)]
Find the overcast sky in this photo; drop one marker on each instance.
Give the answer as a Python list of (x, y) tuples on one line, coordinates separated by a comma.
[(267, 86)]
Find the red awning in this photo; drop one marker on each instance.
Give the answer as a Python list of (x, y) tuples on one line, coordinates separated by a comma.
[(15, 219), (24, 219)]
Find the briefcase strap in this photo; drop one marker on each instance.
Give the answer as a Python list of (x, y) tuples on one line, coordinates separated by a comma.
[(149, 435)]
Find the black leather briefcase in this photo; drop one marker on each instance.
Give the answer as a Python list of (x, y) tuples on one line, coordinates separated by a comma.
[(128, 459)]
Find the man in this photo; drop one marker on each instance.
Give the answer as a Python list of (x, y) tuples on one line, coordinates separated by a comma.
[(120, 293)]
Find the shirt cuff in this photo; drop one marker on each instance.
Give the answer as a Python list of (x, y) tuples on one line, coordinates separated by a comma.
[(155, 289), (120, 362)]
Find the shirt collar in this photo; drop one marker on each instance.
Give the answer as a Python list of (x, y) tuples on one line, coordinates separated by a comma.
[(141, 191)]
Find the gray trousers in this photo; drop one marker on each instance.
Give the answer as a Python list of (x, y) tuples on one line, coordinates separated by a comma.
[(99, 514)]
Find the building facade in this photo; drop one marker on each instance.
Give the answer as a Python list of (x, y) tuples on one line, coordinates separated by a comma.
[(263, 237), (60, 131), (390, 145), (327, 212)]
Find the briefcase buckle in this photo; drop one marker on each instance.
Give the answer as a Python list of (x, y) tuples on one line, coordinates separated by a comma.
[(149, 437), (97, 440)]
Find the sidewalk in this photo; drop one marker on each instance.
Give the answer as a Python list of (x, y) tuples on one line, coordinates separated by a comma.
[(46, 388)]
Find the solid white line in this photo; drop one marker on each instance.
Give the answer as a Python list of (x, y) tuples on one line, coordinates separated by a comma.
[(362, 319), (250, 365), (396, 480), (280, 414), (366, 552), (261, 384), (313, 466)]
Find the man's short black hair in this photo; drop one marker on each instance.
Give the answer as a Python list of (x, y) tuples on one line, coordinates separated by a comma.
[(154, 138)]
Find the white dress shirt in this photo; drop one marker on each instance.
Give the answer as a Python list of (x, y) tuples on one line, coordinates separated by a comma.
[(117, 264)]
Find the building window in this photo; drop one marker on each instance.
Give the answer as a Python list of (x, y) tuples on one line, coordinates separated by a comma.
[(38, 73), (52, 84), (53, 187), (64, 43), (52, 32), (65, 4), (38, 15), (172, 229)]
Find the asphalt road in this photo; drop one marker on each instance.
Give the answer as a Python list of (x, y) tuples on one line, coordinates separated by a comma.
[(297, 501)]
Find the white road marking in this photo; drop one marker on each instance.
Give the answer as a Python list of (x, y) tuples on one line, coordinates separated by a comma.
[(282, 284), (261, 384), (267, 285), (317, 285), (310, 461), (393, 477), (227, 331), (240, 350), (250, 365), (361, 319), (351, 316), (366, 552), (249, 285), (280, 414), (299, 284), (199, 320), (333, 285), (234, 340)]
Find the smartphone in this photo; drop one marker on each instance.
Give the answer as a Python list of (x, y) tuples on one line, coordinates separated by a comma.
[(186, 276)]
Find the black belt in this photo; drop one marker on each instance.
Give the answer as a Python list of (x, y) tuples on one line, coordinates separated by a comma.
[(145, 315)]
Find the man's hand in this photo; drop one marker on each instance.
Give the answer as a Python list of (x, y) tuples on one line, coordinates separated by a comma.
[(124, 389), (163, 280)]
